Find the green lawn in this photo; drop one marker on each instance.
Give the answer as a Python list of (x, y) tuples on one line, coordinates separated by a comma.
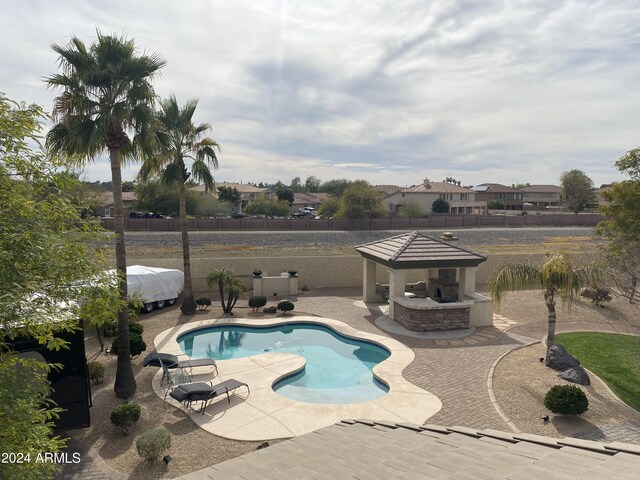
[(613, 357)]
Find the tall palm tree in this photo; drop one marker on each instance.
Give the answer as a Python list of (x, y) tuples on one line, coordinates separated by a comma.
[(556, 275), (180, 140), (106, 96)]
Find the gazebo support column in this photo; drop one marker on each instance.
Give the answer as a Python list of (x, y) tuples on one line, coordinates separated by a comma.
[(467, 281), (397, 282), (369, 284)]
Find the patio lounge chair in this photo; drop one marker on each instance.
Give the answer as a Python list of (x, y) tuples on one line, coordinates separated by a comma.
[(157, 359), (201, 392)]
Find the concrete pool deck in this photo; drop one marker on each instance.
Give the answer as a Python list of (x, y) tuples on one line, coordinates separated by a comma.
[(265, 415)]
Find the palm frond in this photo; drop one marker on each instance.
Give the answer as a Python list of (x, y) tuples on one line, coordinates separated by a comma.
[(518, 276)]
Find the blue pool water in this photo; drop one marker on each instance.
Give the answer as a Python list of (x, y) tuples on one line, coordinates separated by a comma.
[(338, 368)]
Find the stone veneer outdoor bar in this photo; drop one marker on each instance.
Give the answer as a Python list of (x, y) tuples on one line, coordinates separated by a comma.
[(426, 315)]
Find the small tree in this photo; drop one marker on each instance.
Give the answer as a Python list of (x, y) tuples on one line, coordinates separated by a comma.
[(152, 444), (412, 210), (577, 190), (361, 200), (495, 204), (230, 195), (440, 206), (329, 207), (229, 287)]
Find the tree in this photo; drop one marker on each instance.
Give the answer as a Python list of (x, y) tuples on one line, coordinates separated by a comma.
[(296, 185), (106, 96), (361, 200), (269, 207), (284, 193), (312, 184), (440, 205), (229, 287), (335, 187), (556, 275), (152, 195), (577, 190), (329, 207), (621, 228), (412, 210), (45, 263), (495, 204), (231, 195), (179, 140)]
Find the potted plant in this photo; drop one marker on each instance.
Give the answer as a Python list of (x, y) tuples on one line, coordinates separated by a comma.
[(257, 273)]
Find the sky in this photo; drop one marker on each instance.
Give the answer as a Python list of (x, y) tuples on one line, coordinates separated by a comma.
[(386, 91)]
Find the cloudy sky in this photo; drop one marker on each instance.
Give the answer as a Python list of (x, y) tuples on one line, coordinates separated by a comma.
[(389, 91)]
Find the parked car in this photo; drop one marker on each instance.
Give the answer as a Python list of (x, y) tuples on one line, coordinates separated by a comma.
[(237, 215), (305, 212)]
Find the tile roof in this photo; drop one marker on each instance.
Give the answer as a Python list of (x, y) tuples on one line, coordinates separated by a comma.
[(241, 187), (310, 197), (107, 197), (436, 187), (365, 449), (417, 250), (494, 187), (387, 189), (541, 189)]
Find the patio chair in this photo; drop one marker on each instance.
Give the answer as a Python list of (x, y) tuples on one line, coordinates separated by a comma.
[(173, 362), (201, 392), (176, 377)]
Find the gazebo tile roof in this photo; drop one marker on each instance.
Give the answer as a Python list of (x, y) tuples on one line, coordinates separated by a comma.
[(417, 250)]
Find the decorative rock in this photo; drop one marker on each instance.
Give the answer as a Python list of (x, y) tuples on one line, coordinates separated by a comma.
[(576, 375), (559, 359), (271, 309)]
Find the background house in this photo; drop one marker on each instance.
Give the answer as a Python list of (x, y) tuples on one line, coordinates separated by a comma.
[(541, 196), (461, 200), (247, 192), (511, 198), (128, 202), (308, 200)]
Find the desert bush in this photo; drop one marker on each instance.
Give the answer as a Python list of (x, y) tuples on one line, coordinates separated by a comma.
[(566, 399), (135, 327), (597, 295), (152, 444), (285, 306), (124, 416), (96, 372), (136, 345), (256, 302), (203, 303)]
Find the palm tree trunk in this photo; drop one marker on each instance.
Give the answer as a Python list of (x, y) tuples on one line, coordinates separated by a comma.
[(125, 385), (550, 300), (188, 303), (221, 289)]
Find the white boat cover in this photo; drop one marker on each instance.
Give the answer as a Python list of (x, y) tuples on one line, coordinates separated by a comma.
[(154, 284)]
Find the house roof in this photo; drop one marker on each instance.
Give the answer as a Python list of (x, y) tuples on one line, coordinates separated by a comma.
[(417, 250), (366, 449), (310, 197), (387, 189), (494, 188), (541, 189), (107, 197), (436, 187)]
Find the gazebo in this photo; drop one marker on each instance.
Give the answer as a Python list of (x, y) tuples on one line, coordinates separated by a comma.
[(447, 299)]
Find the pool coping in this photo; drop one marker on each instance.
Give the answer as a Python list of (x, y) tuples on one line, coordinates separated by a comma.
[(265, 415)]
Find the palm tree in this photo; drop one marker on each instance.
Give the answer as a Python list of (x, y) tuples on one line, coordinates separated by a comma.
[(556, 275), (229, 286), (178, 140), (106, 95)]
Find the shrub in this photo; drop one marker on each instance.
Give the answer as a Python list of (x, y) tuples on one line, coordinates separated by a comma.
[(566, 399), (135, 327), (597, 295), (96, 372), (152, 444), (256, 302), (285, 306), (110, 329), (136, 345), (124, 416), (203, 303)]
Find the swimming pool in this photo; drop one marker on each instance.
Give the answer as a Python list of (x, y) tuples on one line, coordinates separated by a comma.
[(338, 368)]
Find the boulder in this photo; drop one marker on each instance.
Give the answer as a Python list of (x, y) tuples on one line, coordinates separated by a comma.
[(576, 375), (271, 309), (559, 359)]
